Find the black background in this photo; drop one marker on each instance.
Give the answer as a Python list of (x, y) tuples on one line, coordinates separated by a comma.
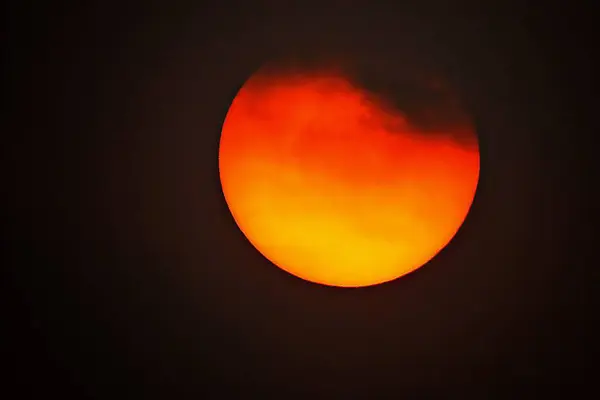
[(130, 276)]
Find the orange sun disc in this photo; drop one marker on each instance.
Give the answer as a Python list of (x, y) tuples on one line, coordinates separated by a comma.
[(335, 187)]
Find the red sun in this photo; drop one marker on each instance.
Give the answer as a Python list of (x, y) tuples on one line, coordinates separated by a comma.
[(335, 187)]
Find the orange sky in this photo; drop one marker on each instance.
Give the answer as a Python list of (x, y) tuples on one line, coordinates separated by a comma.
[(332, 187)]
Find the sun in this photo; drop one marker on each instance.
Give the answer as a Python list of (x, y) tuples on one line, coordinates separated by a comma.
[(334, 186)]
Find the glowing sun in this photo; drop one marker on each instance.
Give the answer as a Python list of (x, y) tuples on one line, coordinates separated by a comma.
[(335, 186)]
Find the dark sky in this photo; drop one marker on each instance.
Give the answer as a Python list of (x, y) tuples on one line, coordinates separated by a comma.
[(131, 278)]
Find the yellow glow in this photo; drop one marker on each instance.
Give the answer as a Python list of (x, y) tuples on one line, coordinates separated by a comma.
[(335, 188)]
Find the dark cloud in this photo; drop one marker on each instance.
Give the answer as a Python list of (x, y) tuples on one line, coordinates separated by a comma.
[(410, 86)]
